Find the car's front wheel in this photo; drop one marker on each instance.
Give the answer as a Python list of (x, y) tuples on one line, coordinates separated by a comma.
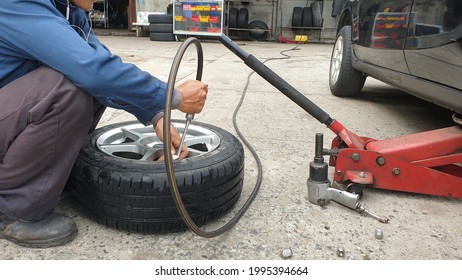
[(344, 80)]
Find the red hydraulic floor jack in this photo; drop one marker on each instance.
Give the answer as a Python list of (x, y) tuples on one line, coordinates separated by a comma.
[(426, 163)]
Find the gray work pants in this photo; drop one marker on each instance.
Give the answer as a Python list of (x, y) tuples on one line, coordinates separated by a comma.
[(44, 119)]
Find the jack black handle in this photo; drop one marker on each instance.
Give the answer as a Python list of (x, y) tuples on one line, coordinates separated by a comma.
[(279, 83)]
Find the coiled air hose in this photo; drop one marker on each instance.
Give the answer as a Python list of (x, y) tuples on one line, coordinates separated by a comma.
[(168, 151)]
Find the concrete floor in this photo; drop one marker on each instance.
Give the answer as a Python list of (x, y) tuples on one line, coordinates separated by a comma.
[(281, 217)]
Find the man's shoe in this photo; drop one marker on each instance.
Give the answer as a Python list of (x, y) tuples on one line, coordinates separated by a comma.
[(52, 231)]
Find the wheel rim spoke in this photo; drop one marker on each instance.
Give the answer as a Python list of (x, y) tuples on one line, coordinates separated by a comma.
[(117, 148), (131, 134)]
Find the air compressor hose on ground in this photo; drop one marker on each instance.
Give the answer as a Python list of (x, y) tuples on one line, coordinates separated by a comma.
[(168, 151)]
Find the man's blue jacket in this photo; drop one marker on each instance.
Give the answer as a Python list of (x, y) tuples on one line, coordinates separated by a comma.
[(36, 32)]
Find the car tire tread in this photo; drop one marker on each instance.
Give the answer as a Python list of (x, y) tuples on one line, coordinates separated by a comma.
[(350, 81)]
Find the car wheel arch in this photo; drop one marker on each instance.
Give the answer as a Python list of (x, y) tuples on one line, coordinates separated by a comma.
[(345, 19)]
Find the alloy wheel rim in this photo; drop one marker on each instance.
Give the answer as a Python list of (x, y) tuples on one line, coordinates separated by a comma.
[(139, 142), (336, 61)]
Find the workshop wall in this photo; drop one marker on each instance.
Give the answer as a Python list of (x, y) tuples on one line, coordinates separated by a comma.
[(277, 14), (152, 5), (110, 14)]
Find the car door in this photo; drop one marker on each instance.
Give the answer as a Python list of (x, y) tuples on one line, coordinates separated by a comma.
[(434, 47), (379, 32)]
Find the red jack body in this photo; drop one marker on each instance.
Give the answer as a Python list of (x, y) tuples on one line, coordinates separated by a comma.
[(427, 162)]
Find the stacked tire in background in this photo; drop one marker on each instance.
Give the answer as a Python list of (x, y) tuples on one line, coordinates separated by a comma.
[(297, 18), (161, 27), (256, 30), (316, 8), (307, 17)]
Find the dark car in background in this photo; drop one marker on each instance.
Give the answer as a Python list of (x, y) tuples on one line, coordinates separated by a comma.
[(414, 45)]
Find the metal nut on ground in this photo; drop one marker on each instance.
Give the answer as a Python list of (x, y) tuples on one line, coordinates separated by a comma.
[(286, 253), (378, 234), (340, 252)]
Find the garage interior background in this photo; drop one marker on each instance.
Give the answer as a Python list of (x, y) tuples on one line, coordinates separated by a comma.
[(277, 14)]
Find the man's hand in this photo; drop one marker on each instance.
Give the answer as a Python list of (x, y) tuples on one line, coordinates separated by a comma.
[(174, 136), (193, 94)]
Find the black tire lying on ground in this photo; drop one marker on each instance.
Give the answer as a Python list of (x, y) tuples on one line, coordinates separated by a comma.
[(155, 36), (161, 27), (118, 188), (154, 18)]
